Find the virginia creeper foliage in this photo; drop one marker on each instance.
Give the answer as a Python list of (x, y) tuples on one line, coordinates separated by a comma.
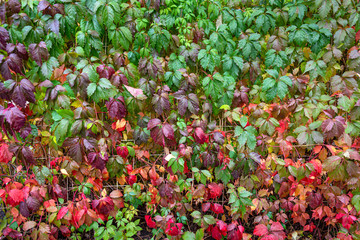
[(180, 119)]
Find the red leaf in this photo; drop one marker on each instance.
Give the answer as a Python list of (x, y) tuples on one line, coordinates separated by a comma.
[(199, 135), (62, 213), (5, 154), (103, 206), (131, 179), (150, 222), (260, 230), (276, 226), (215, 190), (16, 196), (173, 229), (222, 227), (12, 234), (163, 134), (357, 36), (217, 208), (122, 151), (215, 233)]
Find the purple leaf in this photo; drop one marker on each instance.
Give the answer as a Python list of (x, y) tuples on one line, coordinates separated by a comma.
[(153, 123), (162, 134), (39, 52), (22, 92), (33, 204), (13, 6), (116, 108), (75, 150), (119, 79), (43, 5), (333, 127), (148, 67), (11, 63), (166, 190), (219, 138), (24, 210), (161, 101), (28, 155), (168, 131), (14, 117), (4, 38), (53, 25), (105, 71), (97, 160)]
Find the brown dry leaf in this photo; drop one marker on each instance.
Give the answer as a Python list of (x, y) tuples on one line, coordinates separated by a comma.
[(121, 180), (116, 194), (44, 228), (29, 225)]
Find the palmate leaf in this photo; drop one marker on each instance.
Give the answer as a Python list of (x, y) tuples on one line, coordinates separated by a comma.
[(161, 133), (346, 83), (148, 66), (173, 79), (209, 58), (297, 11), (120, 37), (298, 36), (116, 108), (264, 21), (246, 134), (13, 63), (250, 46), (276, 86), (20, 92), (220, 38), (219, 88), (233, 64), (107, 12), (344, 38), (276, 59), (101, 90), (333, 127), (187, 102), (319, 38), (48, 67), (235, 20), (13, 116), (39, 52), (159, 39), (97, 159), (315, 68), (161, 100), (63, 120), (176, 62)]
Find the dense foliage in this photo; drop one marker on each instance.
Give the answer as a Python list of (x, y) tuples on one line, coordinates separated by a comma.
[(180, 119)]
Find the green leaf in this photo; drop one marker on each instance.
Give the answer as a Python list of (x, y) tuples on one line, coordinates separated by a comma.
[(268, 84), (91, 89), (188, 236), (209, 219), (356, 202), (48, 67), (199, 234)]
